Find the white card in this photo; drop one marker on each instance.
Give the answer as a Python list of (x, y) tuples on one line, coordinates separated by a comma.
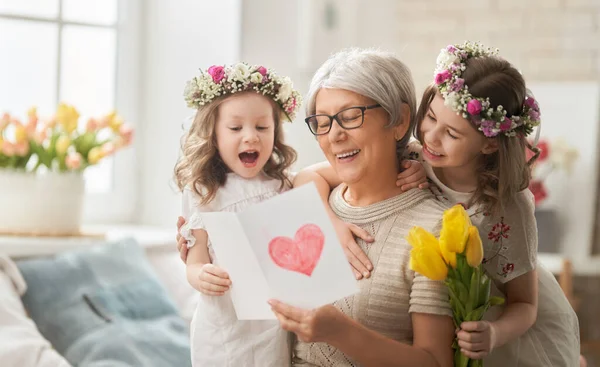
[(283, 248)]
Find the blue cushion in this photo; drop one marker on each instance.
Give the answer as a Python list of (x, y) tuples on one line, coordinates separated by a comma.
[(104, 306)]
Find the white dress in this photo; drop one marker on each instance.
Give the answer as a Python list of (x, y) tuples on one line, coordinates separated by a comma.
[(218, 338), (510, 250)]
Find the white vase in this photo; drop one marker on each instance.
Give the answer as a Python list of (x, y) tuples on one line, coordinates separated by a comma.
[(48, 203)]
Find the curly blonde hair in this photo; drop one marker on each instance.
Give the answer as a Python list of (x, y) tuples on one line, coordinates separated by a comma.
[(505, 172), (200, 166)]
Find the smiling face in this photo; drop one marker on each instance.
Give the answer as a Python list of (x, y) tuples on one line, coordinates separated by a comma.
[(449, 140), (360, 153), (245, 130)]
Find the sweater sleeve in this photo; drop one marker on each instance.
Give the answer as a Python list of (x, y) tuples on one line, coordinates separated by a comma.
[(429, 296)]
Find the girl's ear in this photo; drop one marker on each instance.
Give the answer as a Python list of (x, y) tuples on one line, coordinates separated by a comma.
[(490, 146)]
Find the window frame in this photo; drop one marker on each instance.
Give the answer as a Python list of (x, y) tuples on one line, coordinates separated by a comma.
[(119, 204)]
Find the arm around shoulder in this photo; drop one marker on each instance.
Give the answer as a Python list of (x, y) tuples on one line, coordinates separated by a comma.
[(322, 171)]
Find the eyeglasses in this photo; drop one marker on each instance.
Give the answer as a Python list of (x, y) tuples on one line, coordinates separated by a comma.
[(349, 118)]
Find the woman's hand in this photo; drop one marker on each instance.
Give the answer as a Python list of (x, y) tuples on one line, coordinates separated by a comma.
[(413, 176), (346, 232), (317, 325), (208, 279), (181, 242), (476, 339)]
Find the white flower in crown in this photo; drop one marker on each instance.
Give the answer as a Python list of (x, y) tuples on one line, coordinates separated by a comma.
[(451, 100), (256, 78), (285, 90), (445, 59), (191, 88), (240, 72)]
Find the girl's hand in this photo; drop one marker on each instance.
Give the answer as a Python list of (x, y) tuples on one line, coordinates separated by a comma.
[(361, 265), (476, 338), (209, 279), (413, 176), (181, 242), (317, 325)]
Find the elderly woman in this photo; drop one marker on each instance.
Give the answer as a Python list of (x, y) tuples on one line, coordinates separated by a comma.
[(361, 106)]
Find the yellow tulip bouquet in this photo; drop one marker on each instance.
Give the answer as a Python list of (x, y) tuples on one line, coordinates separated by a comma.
[(60, 143), (455, 258)]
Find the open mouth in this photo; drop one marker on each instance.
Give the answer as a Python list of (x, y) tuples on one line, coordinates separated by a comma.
[(432, 152), (347, 155), (249, 158)]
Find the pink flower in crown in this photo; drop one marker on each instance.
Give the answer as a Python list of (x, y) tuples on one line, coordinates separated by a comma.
[(292, 106), (530, 102), (534, 115), (474, 107), (451, 49), (506, 125), (487, 127), (488, 123), (262, 70), (217, 73), (457, 85), (488, 132), (442, 76)]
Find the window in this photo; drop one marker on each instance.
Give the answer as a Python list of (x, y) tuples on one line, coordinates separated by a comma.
[(80, 52)]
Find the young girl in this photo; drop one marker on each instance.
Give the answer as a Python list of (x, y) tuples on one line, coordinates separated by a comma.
[(233, 156), (472, 124), (472, 127)]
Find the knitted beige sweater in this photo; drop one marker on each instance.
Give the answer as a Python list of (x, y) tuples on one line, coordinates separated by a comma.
[(393, 291)]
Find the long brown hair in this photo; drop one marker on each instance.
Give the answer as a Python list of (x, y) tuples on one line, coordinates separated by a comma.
[(502, 174), (200, 166)]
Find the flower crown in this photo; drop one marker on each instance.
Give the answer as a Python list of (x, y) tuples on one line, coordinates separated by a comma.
[(451, 63), (221, 80)]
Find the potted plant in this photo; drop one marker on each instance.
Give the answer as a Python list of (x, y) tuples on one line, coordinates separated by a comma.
[(42, 163)]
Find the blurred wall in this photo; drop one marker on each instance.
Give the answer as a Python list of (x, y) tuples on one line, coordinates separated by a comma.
[(548, 40), (545, 39), (178, 37)]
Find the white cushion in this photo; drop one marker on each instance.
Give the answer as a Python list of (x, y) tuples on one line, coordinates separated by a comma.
[(21, 344), (171, 272)]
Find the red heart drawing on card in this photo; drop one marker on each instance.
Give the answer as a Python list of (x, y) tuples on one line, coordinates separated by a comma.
[(300, 254)]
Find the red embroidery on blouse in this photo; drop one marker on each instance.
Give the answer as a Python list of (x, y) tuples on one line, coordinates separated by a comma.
[(499, 231), (508, 268)]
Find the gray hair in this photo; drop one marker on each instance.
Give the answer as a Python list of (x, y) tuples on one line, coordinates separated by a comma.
[(372, 73)]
